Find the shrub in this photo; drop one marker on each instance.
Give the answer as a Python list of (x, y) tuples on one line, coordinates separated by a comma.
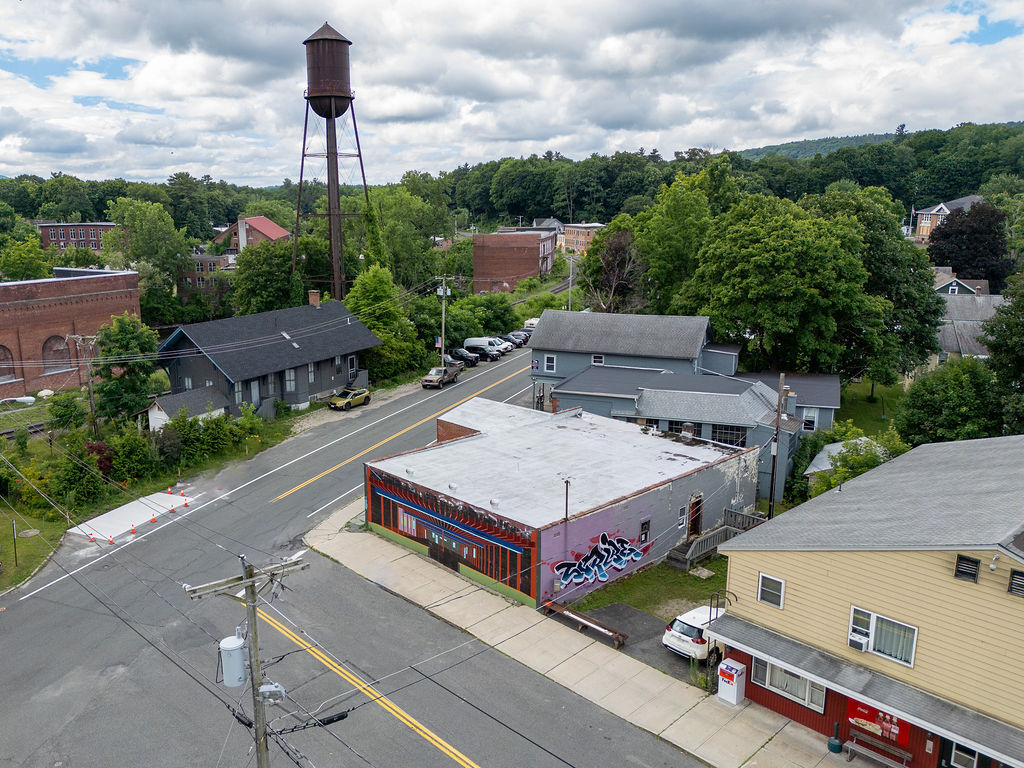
[(102, 452), (66, 412), (168, 445), (21, 440), (216, 435), (131, 456)]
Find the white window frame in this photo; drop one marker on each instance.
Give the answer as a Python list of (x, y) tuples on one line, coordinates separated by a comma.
[(238, 392), (871, 634), (597, 359), (968, 757), (550, 363), (761, 674), (953, 289), (188, 382), (289, 379), (311, 372), (760, 590), (208, 383), (811, 415)]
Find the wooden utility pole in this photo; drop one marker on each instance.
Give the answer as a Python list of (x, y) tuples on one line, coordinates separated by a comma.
[(230, 587), (775, 443), (83, 343)]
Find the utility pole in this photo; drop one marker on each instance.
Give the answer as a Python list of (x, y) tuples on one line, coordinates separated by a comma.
[(83, 343), (775, 444), (572, 267), (230, 587), (443, 291)]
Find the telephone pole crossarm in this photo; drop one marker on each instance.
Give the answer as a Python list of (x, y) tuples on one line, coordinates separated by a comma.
[(231, 585)]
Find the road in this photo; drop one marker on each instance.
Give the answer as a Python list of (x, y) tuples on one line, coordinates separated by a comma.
[(116, 666)]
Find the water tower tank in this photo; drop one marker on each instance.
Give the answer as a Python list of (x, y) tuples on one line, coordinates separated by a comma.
[(327, 78)]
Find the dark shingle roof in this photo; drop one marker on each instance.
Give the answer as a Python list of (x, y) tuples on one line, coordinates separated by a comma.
[(254, 345), (919, 500), (194, 401), (813, 390), (667, 336), (626, 380)]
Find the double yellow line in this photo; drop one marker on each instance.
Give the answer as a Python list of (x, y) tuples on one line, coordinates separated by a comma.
[(375, 696), (359, 455)]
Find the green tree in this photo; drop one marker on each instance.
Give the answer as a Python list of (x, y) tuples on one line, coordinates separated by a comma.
[(1004, 337), (788, 287), (131, 456), (897, 272), (264, 280), (611, 270), (973, 243), (956, 401), (66, 411), (856, 457), (374, 299), (126, 356), (24, 261), (189, 209)]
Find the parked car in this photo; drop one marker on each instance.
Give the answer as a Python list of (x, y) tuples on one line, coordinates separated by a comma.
[(348, 397), (469, 358), (484, 341), (484, 352), (451, 362), (685, 636), (523, 336), (511, 339), (438, 377), (504, 346)]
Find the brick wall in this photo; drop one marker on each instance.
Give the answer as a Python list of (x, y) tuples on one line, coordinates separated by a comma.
[(34, 311), (501, 261), (447, 431)]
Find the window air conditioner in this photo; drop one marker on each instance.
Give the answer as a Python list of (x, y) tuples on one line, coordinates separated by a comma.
[(857, 642)]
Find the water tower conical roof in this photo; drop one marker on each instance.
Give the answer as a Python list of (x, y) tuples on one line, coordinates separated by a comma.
[(327, 32)]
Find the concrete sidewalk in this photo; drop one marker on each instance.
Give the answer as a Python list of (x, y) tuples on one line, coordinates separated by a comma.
[(704, 726)]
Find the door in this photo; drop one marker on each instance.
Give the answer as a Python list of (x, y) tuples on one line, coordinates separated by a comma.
[(695, 519), (254, 392)]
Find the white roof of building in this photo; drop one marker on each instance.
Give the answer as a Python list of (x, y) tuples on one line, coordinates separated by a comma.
[(517, 469)]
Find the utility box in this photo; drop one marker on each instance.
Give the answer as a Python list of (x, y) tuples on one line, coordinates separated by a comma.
[(233, 659), (732, 681)]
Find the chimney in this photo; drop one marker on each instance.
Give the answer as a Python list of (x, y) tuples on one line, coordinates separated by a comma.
[(241, 234), (687, 433), (790, 403), (314, 298)]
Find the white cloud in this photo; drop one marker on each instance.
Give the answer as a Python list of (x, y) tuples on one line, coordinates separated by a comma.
[(142, 90)]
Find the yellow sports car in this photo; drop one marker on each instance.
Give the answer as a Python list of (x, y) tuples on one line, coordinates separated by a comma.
[(349, 397)]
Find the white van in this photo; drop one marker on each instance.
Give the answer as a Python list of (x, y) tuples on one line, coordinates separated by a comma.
[(484, 341), (531, 323)]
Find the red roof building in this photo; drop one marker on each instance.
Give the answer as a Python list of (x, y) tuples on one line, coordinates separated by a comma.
[(251, 230)]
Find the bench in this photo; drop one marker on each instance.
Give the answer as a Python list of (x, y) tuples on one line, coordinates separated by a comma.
[(585, 622), (861, 744)]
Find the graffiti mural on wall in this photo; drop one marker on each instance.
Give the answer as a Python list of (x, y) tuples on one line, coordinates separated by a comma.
[(608, 553)]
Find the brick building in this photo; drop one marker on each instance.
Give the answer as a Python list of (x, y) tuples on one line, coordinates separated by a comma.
[(250, 231), (579, 236), (84, 234), (204, 265), (502, 259), (37, 316)]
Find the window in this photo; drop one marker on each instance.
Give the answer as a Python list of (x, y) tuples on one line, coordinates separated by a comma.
[(810, 419), (771, 590), (199, 266), (723, 433), (597, 359), (62, 233), (337, 364), (238, 392), (675, 427), (188, 382), (210, 266), (963, 757), (81, 233), (53, 233), (55, 355), (549, 363), (208, 383), (92, 233), (967, 568), (645, 531), (952, 289), (788, 684), (289, 380), (926, 218), (6, 364), (200, 281), (311, 372), (353, 366), (1016, 583), (886, 637)]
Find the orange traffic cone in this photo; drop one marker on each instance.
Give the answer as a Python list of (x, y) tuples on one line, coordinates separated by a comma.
[(92, 537), (133, 527), (111, 539), (183, 493), (186, 504), (154, 518), (171, 510)]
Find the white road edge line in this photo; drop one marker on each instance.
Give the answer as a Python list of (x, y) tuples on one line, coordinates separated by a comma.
[(325, 506), (243, 485)]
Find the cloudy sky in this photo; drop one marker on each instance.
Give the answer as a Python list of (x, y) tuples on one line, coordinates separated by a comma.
[(140, 89)]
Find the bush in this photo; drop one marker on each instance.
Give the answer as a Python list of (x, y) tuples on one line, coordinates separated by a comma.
[(102, 452), (66, 412), (21, 440), (131, 456), (248, 424), (168, 445), (216, 435), (281, 409), (76, 479)]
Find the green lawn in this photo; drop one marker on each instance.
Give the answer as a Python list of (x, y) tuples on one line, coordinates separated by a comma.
[(871, 417), (659, 585), (32, 550)]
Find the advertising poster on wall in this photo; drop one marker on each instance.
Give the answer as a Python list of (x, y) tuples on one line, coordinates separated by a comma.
[(879, 724)]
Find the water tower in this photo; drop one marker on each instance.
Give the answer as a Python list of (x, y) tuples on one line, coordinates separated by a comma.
[(329, 95)]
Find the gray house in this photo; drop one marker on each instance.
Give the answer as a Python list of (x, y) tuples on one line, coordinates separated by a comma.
[(296, 355), (718, 409), (817, 395), (566, 343)]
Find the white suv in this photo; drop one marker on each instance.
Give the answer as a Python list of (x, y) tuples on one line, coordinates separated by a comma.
[(685, 636)]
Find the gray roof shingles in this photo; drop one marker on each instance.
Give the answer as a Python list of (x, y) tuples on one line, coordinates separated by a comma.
[(817, 390), (194, 401), (919, 500), (253, 345), (676, 337)]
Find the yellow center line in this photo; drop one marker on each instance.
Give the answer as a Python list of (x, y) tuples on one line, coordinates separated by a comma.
[(349, 460), (375, 696)]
